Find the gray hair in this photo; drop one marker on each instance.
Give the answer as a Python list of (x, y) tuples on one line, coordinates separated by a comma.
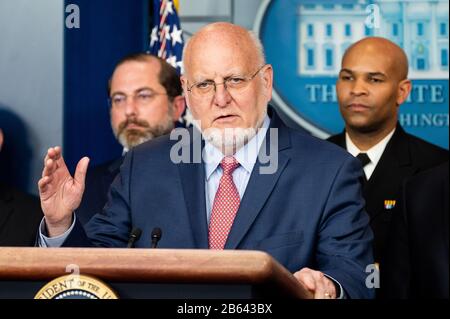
[(259, 47)]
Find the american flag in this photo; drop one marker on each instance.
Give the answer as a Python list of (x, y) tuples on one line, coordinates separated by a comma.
[(166, 38)]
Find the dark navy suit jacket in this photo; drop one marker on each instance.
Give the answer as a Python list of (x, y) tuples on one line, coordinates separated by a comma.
[(98, 181), (309, 213)]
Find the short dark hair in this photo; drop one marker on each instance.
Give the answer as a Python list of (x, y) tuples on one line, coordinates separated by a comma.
[(168, 75)]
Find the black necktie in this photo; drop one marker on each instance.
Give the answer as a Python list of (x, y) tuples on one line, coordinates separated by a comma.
[(363, 158)]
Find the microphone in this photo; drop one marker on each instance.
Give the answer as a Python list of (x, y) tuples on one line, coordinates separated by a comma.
[(156, 236), (134, 236)]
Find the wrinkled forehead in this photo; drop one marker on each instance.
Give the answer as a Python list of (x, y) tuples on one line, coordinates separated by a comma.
[(213, 54)]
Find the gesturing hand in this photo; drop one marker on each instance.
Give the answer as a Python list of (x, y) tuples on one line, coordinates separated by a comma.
[(60, 193)]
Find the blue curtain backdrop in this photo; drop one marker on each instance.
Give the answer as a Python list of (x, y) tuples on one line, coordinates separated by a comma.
[(109, 30)]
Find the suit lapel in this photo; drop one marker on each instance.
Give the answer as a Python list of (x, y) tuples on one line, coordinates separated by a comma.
[(193, 183), (260, 186), (393, 163), (110, 173), (114, 167)]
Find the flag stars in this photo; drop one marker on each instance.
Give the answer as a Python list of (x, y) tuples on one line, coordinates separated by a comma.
[(176, 35), (172, 60), (154, 36), (169, 7), (167, 32), (166, 36)]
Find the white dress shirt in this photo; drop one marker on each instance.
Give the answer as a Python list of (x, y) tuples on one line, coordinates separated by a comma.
[(374, 152)]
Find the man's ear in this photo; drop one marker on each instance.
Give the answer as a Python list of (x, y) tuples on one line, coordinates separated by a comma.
[(404, 88), (1, 139), (179, 105), (183, 81), (268, 81)]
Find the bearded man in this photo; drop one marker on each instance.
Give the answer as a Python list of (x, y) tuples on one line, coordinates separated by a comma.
[(145, 99)]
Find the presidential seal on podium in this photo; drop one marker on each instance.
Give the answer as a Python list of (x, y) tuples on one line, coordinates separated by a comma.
[(76, 287)]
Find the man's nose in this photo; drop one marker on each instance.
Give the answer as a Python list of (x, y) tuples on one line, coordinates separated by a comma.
[(131, 107), (221, 96), (359, 87)]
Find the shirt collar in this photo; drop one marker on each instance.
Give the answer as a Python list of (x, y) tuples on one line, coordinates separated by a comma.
[(374, 152), (246, 155)]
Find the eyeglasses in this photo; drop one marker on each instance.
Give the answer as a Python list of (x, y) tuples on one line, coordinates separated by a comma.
[(142, 98), (233, 84)]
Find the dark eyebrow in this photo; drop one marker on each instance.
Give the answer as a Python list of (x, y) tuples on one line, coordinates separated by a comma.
[(135, 91), (346, 70), (372, 74), (117, 93), (143, 89)]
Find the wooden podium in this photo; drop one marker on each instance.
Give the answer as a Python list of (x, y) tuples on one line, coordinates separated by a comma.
[(151, 273)]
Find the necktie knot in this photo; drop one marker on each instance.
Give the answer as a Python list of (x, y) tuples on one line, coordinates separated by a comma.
[(229, 164), (363, 158)]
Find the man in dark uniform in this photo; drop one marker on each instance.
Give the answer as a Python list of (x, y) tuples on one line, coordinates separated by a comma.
[(417, 262), (372, 84), (20, 214)]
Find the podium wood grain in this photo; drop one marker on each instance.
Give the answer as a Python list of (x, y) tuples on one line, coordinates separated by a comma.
[(152, 265)]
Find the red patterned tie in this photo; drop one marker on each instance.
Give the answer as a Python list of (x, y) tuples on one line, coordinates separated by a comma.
[(225, 207)]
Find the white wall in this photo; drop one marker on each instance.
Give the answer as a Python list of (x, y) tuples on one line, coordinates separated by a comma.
[(31, 71)]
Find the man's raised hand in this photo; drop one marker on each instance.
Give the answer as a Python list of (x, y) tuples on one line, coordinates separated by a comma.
[(60, 193)]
